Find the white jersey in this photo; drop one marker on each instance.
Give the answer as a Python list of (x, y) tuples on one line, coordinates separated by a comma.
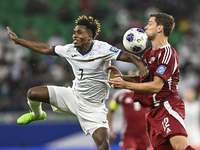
[(89, 68)]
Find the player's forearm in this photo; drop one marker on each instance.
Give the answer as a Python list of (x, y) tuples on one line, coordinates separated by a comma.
[(140, 64), (127, 57), (147, 87), (131, 78), (38, 47)]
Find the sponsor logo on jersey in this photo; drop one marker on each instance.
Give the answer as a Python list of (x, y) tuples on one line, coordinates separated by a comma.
[(114, 49), (161, 69), (151, 60), (104, 122), (73, 55)]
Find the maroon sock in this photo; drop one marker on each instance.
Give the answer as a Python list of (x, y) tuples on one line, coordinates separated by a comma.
[(189, 148)]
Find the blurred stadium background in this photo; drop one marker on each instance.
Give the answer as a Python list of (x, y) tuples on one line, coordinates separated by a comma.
[(52, 22)]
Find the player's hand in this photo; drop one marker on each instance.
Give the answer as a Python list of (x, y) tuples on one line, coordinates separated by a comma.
[(116, 71), (13, 36), (144, 72), (117, 83)]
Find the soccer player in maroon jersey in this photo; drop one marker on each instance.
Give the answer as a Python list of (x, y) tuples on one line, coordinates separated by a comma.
[(133, 133), (165, 120)]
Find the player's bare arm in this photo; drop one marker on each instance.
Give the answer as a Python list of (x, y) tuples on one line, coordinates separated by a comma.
[(134, 77), (38, 47), (147, 87), (137, 61)]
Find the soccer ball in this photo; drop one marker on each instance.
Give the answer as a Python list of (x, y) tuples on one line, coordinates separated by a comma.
[(135, 40)]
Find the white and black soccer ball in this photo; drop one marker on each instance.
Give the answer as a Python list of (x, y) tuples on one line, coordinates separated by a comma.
[(135, 40)]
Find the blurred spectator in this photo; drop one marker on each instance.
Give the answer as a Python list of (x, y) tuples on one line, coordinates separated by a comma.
[(36, 6), (56, 39), (188, 79), (44, 5), (97, 11), (58, 72), (85, 7), (64, 13), (3, 32), (32, 7), (123, 19), (114, 6), (30, 32), (192, 117)]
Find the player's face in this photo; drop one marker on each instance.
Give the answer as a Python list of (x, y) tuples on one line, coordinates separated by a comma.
[(81, 38), (151, 29)]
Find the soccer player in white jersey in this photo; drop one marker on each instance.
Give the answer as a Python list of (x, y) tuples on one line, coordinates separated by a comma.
[(165, 120), (89, 59)]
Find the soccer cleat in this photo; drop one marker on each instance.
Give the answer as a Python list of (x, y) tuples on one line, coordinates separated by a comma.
[(28, 117)]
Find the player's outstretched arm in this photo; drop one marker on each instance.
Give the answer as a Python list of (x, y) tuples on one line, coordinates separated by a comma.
[(34, 46), (147, 87), (127, 57), (134, 77), (115, 71)]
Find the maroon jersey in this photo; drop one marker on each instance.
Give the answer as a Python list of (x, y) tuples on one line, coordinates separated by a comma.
[(162, 62), (134, 114), (167, 119)]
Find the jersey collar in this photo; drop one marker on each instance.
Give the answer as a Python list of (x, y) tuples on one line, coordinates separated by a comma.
[(165, 45), (87, 50)]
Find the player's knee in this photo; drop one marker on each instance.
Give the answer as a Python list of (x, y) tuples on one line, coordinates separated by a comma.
[(104, 145), (101, 138), (31, 93)]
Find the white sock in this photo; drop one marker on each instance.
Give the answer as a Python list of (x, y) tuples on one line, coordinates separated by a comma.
[(36, 107)]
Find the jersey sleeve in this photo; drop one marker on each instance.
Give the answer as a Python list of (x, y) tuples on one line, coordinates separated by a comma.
[(110, 52), (166, 63), (61, 50)]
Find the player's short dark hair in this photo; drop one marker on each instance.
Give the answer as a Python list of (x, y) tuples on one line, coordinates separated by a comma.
[(90, 23), (166, 20)]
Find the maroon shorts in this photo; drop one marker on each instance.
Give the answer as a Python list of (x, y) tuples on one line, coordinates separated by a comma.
[(135, 143), (164, 121)]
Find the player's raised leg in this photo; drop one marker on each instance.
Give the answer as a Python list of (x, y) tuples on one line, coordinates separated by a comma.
[(101, 138), (35, 96)]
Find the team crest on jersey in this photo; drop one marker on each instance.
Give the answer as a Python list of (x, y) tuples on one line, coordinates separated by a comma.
[(114, 49), (161, 69), (151, 60)]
